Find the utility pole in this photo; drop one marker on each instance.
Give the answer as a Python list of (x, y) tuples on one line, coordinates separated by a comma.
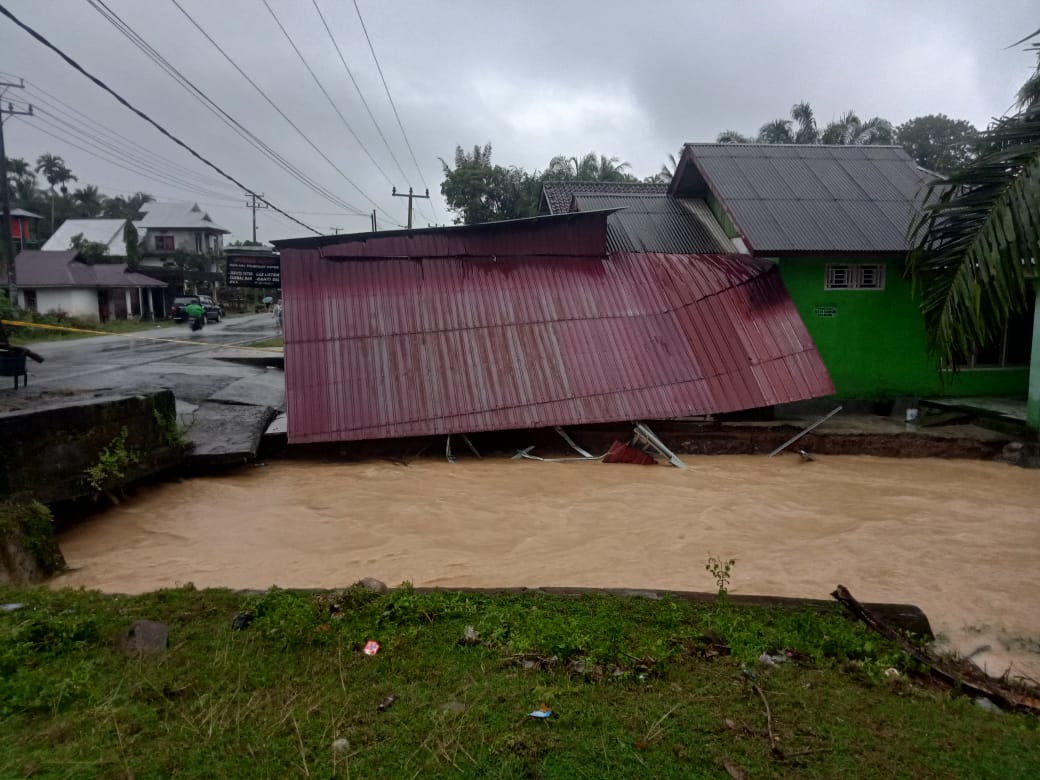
[(9, 110), (254, 205), (374, 227), (410, 196)]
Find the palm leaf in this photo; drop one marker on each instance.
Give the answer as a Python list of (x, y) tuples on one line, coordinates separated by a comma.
[(979, 239)]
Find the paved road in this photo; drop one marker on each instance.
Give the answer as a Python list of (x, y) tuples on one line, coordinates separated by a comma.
[(129, 363)]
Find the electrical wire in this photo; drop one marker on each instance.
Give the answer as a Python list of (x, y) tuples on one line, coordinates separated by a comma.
[(275, 106), (390, 97), (123, 158), (361, 95), (213, 107), (75, 65), (324, 91), (37, 93)]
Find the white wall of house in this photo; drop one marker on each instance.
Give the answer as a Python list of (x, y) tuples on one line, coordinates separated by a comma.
[(81, 302)]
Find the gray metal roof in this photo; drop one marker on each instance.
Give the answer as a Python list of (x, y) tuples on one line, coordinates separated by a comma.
[(101, 231), (183, 216), (648, 223), (787, 199), (557, 195), (37, 268)]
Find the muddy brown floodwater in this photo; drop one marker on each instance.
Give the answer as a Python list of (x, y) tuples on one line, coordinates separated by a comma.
[(961, 539)]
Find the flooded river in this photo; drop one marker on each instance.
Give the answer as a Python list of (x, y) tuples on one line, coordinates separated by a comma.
[(961, 539)]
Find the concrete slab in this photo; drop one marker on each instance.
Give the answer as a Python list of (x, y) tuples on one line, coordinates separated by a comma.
[(264, 389), (279, 426), (227, 433), (1007, 409)]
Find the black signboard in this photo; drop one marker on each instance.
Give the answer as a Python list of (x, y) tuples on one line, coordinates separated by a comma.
[(251, 271)]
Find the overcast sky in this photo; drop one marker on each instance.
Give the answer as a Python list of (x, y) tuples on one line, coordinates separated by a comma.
[(535, 78)]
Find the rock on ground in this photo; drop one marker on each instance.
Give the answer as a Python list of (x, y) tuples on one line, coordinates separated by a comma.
[(145, 636)]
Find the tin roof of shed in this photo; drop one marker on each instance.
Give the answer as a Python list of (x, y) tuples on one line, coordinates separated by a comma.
[(790, 199), (529, 324)]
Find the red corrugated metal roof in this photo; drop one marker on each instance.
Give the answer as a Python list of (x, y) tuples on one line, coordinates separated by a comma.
[(496, 332)]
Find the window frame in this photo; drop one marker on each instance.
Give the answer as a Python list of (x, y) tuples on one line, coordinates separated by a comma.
[(855, 273)]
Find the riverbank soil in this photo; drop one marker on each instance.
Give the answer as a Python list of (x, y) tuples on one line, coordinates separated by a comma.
[(627, 687), (958, 538)]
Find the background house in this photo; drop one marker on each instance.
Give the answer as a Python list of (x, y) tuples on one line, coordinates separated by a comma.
[(167, 228), (835, 219), (23, 228), (62, 282)]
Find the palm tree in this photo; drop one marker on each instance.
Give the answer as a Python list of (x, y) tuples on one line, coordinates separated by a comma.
[(125, 208), (803, 116), (56, 173), (776, 132), (732, 137), (850, 130), (978, 240), (589, 167), (88, 201)]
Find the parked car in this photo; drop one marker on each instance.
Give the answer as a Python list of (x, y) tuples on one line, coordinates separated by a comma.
[(214, 311)]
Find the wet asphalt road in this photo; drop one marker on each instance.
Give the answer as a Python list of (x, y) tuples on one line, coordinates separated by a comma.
[(189, 365)]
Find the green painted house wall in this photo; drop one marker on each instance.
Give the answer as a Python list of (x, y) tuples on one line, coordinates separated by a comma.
[(873, 341)]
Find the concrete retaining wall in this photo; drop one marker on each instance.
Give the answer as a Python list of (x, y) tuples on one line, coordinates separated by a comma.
[(46, 451)]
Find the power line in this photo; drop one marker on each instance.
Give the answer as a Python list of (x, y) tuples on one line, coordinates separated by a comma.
[(324, 91), (361, 94), (389, 97), (53, 101), (71, 62), (213, 107), (274, 105), (103, 154)]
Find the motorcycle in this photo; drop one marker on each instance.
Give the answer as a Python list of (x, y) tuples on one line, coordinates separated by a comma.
[(196, 323)]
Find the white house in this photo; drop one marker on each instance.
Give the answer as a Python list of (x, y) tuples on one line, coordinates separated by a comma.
[(61, 282), (167, 227)]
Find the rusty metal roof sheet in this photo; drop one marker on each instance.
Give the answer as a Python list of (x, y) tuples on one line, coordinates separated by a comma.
[(787, 199), (462, 338), (653, 224)]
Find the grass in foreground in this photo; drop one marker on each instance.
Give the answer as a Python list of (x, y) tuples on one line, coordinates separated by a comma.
[(637, 688)]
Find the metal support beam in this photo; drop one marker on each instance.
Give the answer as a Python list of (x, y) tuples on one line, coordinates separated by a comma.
[(793, 439), (648, 436)]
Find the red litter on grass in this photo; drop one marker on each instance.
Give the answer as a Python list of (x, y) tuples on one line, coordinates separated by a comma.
[(371, 647)]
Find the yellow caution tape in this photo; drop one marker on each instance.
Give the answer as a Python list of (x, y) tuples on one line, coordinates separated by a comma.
[(132, 335)]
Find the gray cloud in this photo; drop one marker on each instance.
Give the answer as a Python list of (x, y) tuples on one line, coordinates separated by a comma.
[(534, 78)]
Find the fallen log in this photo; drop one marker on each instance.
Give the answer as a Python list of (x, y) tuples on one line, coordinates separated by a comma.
[(961, 674)]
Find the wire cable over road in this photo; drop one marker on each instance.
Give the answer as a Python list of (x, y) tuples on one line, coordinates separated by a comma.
[(126, 104)]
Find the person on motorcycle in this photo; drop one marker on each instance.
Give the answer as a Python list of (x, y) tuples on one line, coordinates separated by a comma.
[(194, 311)]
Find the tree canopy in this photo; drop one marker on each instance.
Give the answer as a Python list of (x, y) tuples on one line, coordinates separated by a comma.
[(801, 128), (979, 238), (478, 190), (84, 202), (937, 142)]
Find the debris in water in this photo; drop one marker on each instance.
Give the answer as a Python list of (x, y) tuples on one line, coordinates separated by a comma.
[(387, 703), (241, 621), (541, 712), (806, 456), (620, 452), (371, 647)]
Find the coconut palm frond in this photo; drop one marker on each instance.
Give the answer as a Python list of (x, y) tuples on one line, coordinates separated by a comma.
[(732, 137), (776, 132), (979, 239)]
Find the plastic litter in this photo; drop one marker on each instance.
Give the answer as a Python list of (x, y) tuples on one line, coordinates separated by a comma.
[(771, 660), (11, 607), (986, 704), (541, 712), (241, 621), (371, 647), (470, 636), (387, 703), (340, 745), (891, 672)]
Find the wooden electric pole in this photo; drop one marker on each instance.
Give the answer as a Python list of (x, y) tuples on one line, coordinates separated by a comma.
[(411, 195), (9, 110), (254, 206)]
